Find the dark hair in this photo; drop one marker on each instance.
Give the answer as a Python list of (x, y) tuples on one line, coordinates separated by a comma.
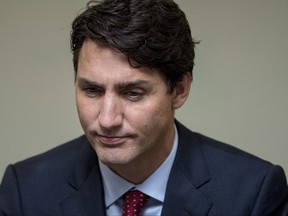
[(153, 33)]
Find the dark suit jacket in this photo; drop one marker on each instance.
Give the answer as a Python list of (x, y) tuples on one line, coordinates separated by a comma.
[(207, 178)]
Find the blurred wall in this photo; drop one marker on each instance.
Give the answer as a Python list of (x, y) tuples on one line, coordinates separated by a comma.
[(239, 92)]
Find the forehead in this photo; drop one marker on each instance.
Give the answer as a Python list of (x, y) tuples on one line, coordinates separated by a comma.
[(91, 52), (97, 62)]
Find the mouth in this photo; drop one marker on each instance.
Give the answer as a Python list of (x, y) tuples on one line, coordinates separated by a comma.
[(112, 140)]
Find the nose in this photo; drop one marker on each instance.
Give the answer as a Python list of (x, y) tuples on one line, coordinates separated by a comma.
[(111, 112)]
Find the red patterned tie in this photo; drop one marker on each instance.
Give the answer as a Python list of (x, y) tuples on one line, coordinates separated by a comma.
[(133, 203)]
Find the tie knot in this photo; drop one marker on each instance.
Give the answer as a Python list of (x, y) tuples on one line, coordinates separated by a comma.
[(134, 202)]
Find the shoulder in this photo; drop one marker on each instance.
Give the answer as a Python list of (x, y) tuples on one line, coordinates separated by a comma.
[(220, 159), (62, 152), (255, 183), (215, 151), (44, 176), (55, 162)]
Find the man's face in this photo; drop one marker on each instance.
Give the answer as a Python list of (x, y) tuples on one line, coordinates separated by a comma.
[(125, 112)]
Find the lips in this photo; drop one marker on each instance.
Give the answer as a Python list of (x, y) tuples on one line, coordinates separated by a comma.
[(111, 140)]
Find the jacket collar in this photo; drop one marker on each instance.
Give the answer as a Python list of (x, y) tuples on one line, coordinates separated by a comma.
[(87, 196), (188, 176)]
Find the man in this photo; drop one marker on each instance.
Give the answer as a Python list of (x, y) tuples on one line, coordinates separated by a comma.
[(133, 64)]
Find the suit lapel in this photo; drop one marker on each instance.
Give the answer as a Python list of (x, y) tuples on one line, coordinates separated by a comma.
[(87, 196), (182, 198), (188, 175)]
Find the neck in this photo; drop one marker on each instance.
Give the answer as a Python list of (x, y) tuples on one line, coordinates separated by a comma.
[(139, 170)]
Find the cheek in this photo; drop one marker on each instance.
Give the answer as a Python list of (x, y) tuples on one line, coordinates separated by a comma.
[(86, 112), (150, 117)]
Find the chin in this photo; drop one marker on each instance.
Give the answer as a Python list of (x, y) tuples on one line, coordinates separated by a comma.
[(112, 160)]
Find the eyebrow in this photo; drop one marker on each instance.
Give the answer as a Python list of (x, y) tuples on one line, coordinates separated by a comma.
[(84, 81), (132, 84), (118, 86)]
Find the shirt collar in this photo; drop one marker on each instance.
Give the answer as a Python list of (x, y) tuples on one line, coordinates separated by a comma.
[(154, 186)]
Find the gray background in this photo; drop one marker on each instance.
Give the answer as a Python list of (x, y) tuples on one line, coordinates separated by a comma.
[(239, 93)]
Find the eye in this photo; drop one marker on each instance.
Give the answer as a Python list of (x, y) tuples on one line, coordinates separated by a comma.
[(93, 91), (134, 95)]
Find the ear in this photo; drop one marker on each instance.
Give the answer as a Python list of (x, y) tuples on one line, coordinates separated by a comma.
[(181, 91)]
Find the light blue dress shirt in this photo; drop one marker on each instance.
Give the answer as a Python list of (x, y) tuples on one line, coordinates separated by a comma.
[(154, 186)]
